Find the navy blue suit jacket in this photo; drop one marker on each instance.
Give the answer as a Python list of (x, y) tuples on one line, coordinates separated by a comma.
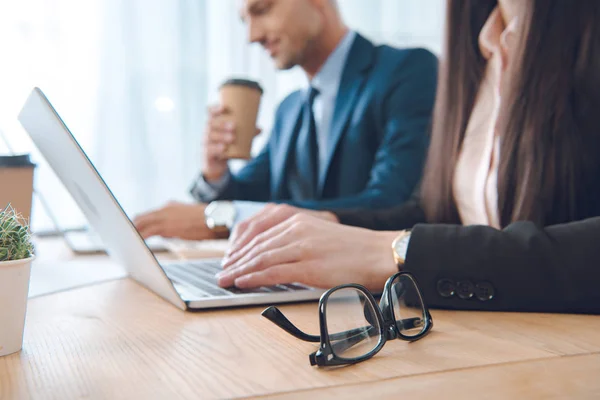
[(378, 140)]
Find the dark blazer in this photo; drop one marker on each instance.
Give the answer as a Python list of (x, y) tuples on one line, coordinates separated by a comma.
[(378, 140), (523, 267)]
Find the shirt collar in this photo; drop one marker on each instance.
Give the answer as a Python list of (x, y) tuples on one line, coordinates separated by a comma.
[(327, 80)]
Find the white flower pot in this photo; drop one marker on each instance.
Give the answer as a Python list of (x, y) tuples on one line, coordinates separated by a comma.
[(14, 287)]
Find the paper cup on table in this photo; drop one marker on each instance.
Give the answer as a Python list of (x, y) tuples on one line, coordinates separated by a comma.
[(16, 184), (14, 287), (241, 99)]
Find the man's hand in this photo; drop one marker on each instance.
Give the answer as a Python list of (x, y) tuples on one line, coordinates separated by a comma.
[(175, 220), (218, 135), (267, 218)]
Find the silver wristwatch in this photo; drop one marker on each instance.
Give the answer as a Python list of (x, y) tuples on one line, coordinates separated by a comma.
[(220, 216)]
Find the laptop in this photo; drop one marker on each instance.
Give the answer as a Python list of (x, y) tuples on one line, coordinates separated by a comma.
[(189, 285)]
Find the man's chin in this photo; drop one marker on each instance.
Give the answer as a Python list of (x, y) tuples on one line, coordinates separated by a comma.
[(284, 65)]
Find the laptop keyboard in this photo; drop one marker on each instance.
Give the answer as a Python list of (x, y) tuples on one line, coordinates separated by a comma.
[(197, 279)]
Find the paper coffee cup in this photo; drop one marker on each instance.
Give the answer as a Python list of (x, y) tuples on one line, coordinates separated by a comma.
[(241, 99), (14, 287), (16, 183)]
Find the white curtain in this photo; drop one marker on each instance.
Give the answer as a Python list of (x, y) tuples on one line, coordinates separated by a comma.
[(132, 79)]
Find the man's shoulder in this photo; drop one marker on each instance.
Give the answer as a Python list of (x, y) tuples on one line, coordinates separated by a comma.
[(392, 57), (388, 65), (385, 54), (391, 66)]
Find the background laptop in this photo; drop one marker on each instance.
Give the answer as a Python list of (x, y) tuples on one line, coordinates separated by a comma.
[(187, 285), (84, 240)]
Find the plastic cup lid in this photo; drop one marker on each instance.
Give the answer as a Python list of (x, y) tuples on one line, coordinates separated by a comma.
[(20, 160), (243, 82)]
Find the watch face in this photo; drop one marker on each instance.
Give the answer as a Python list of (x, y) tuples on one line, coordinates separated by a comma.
[(220, 214)]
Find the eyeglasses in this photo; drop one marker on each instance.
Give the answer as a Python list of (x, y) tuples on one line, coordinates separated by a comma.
[(354, 327)]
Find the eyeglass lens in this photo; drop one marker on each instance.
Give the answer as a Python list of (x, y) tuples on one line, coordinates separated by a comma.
[(408, 306), (352, 323)]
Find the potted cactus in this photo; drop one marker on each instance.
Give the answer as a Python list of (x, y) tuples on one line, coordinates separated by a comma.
[(16, 254)]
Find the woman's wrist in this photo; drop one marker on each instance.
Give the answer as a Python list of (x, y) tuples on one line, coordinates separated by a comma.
[(329, 216), (387, 266)]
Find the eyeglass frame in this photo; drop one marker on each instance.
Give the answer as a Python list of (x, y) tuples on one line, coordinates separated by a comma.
[(384, 312)]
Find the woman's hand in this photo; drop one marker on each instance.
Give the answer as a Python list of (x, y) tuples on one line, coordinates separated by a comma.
[(267, 218), (314, 252)]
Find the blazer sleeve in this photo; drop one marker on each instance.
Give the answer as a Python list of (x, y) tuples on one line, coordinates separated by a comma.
[(406, 118), (397, 218), (251, 183), (521, 268)]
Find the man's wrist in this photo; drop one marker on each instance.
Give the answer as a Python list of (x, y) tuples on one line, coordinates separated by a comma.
[(386, 266), (213, 177)]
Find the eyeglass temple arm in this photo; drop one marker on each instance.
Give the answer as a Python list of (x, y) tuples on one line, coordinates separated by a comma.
[(411, 323), (275, 316), (408, 323)]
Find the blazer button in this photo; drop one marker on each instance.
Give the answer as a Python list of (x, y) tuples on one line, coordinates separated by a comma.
[(484, 291), (446, 288), (465, 289)]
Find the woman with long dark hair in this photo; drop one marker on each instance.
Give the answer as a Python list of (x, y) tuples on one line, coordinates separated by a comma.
[(505, 216)]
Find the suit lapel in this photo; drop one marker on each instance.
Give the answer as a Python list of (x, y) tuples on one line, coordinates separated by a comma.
[(359, 60), (290, 127)]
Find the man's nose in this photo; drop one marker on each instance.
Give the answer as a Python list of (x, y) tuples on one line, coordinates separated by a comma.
[(255, 32)]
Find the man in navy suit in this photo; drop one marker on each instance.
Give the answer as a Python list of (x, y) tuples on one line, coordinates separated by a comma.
[(356, 137)]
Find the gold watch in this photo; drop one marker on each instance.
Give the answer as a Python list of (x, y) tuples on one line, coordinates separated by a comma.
[(400, 247)]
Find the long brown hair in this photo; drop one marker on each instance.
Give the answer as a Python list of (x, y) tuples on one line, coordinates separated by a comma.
[(549, 122)]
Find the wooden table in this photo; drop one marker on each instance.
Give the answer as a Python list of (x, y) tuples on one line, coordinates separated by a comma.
[(116, 340)]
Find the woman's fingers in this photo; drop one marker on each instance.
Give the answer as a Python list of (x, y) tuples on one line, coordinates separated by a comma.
[(246, 231), (256, 243), (280, 274), (279, 235), (272, 256)]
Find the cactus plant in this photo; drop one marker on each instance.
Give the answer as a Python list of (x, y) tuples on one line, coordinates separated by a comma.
[(15, 239)]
